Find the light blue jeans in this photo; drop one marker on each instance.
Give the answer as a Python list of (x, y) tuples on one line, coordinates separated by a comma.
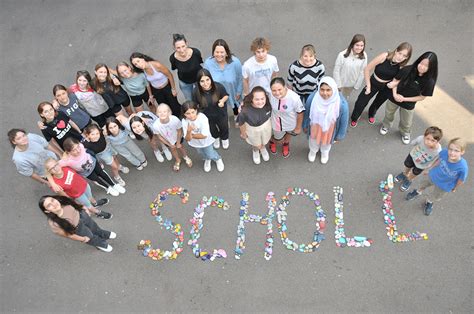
[(208, 153), (130, 151), (187, 89), (84, 199)]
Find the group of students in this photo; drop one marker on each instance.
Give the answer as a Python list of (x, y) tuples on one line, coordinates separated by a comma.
[(88, 124)]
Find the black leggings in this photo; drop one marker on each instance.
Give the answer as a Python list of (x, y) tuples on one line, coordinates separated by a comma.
[(363, 100), (219, 127), (100, 119), (164, 95), (99, 176), (138, 100)]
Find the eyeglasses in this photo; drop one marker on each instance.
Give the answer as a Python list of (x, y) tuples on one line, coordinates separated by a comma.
[(54, 166)]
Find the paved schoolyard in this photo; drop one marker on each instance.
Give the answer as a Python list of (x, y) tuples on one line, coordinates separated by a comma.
[(44, 43)]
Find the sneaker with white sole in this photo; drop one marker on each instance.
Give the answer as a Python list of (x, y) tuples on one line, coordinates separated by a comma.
[(256, 157), (119, 180), (119, 188), (311, 156), (406, 139), (108, 249), (101, 202), (140, 167), (220, 165), (324, 158), (265, 154), (225, 144), (124, 169), (112, 235), (112, 191), (158, 156), (207, 165), (104, 215), (383, 130), (217, 143), (167, 153)]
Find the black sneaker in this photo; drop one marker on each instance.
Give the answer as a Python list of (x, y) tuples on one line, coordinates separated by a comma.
[(101, 202), (405, 185), (428, 208), (412, 195), (400, 177), (104, 215)]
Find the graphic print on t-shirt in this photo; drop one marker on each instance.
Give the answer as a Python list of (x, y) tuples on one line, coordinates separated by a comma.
[(69, 178)]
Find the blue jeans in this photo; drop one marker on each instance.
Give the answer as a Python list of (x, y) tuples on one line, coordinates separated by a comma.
[(208, 153), (85, 197), (187, 89)]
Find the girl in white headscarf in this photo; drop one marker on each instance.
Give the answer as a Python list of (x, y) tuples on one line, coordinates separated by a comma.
[(328, 118)]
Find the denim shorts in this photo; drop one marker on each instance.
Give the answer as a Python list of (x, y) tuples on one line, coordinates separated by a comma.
[(107, 155)]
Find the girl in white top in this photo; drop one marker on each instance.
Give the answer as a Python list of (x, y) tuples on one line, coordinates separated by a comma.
[(169, 130), (350, 64), (198, 135)]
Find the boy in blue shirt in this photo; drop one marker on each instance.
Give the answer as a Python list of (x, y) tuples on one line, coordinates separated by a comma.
[(450, 172)]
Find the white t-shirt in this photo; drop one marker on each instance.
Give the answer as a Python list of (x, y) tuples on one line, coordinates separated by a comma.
[(201, 125), (168, 130), (285, 111), (260, 74)]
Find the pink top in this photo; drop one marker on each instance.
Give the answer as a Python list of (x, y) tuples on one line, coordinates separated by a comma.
[(157, 79), (84, 163)]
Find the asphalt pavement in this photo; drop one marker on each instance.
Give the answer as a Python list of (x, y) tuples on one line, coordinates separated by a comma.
[(45, 42)]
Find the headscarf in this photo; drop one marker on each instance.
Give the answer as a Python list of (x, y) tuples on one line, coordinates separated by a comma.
[(325, 112)]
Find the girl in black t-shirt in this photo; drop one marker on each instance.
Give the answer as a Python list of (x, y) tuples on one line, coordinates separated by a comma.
[(211, 97), (96, 142), (109, 87), (55, 125), (412, 84)]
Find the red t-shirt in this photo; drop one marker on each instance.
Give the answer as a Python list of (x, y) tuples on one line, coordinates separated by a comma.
[(72, 183)]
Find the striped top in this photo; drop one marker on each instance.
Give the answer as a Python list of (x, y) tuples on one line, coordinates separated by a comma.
[(304, 80)]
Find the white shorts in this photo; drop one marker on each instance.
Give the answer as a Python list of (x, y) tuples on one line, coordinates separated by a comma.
[(259, 135)]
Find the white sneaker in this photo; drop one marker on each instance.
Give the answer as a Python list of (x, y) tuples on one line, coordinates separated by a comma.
[(256, 156), (167, 153), (112, 191), (217, 143), (406, 139), (383, 130), (207, 165), (225, 144), (265, 155), (108, 249), (324, 158), (112, 235), (124, 169), (311, 156), (119, 180), (119, 188), (220, 165), (144, 164), (158, 156), (140, 168)]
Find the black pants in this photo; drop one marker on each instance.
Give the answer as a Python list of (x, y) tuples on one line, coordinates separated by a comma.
[(138, 100), (88, 228), (100, 119), (101, 177), (164, 95), (219, 126), (363, 100)]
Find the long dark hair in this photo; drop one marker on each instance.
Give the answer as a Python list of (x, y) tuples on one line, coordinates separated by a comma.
[(189, 104), (356, 39), (248, 99), (110, 120), (86, 75), (222, 43), (200, 91), (431, 74), (64, 201), (147, 129), (141, 56), (99, 86)]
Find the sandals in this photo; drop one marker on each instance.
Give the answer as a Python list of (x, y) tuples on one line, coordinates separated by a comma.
[(176, 166), (188, 161)]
